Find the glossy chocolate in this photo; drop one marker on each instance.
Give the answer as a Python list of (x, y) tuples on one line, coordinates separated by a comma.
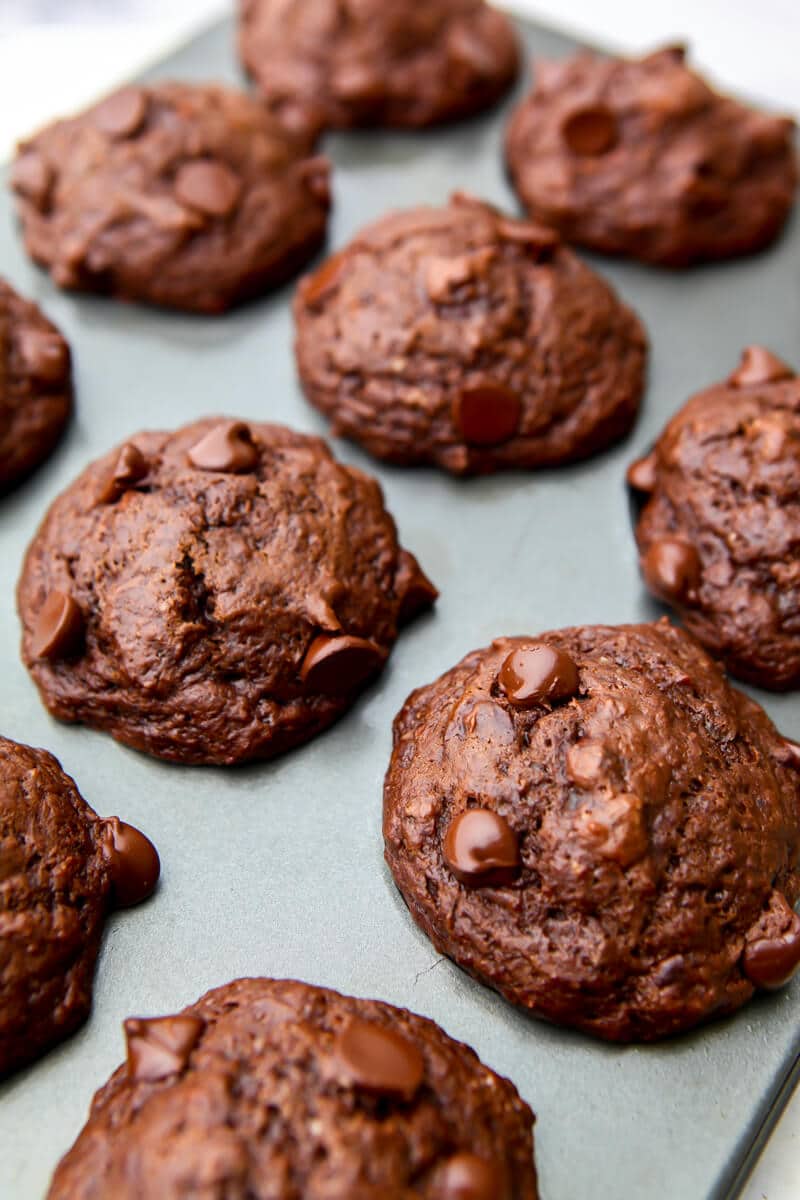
[(481, 849), (379, 1061), (228, 447), (759, 365), (339, 664), (538, 674), (161, 1046), (58, 630), (133, 862), (487, 415), (671, 569)]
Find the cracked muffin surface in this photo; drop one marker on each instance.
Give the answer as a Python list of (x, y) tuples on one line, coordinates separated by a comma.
[(596, 824), (273, 1090), (214, 594)]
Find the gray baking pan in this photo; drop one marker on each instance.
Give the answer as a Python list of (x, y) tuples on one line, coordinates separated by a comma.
[(278, 869)]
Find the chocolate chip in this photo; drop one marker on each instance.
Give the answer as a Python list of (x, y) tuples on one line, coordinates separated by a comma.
[(590, 131), (465, 1176), (481, 849), (789, 754), (641, 475), (671, 569), (209, 187), (161, 1046), (356, 81), (336, 665), (315, 173), (379, 1061), (586, 762), (538, 674), (537, 238), (759, 366), (45, 354), (415, 590), (121, 114), (59, 627), (324, 281), (130, 466), (769, 962), (32, 177), (487, 414), (133, 861), (227, 447)]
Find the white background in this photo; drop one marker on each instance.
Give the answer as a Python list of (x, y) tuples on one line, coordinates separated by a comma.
[(56, 55)]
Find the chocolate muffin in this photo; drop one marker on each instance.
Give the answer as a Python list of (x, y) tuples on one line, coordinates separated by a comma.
[(62, 870), (719, 532), (273, 1090), (347, 63), (185, 195), (214, 594), (593, 822), (460, 337), (641, 157), (35, 386)]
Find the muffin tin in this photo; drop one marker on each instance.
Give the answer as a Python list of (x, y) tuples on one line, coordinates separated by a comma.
[(277, 869)]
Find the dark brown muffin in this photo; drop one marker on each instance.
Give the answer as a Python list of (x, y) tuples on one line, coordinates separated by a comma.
[(365, 62), (273, 1090), (177, 194), (719, 534), (62, 870), (35, 386), (597, 825), (642, 158), (460, 337), (215, 594)]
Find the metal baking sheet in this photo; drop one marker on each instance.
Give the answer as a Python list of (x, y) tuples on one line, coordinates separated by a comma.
[(278, 869)]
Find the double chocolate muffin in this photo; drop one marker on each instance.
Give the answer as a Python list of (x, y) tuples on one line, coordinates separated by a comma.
[(461, 337), (215, 594), (185, 195), (62, 870), (273, 1090), (719, 530), (346, 63), (35, 386), (593, 822), (641, 157)]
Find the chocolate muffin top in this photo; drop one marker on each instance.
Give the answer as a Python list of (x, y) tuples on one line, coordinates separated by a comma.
[(35, 386), (719, 533), (641, 157), (365, 62), (460, 337), (185, 195), (596, 824), (273, 1090), (62, 870), (214, 594)]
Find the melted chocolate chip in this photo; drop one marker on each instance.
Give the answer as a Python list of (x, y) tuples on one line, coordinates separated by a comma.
[(129, 468), (161, 1046), (133, 862), (44, 354), (335, 665), (487, 415), (324, 281), (227, 447), (769, 962), (538, 674), (32, 177), (590, 131), (537, 238), (122, 114), (671, 569), (211, 188), (759, 366), (59, 627), (481, 849), (789, 754), (465, 1176), (379, 1061), (415, 590), (315, 173), (641, 475)]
